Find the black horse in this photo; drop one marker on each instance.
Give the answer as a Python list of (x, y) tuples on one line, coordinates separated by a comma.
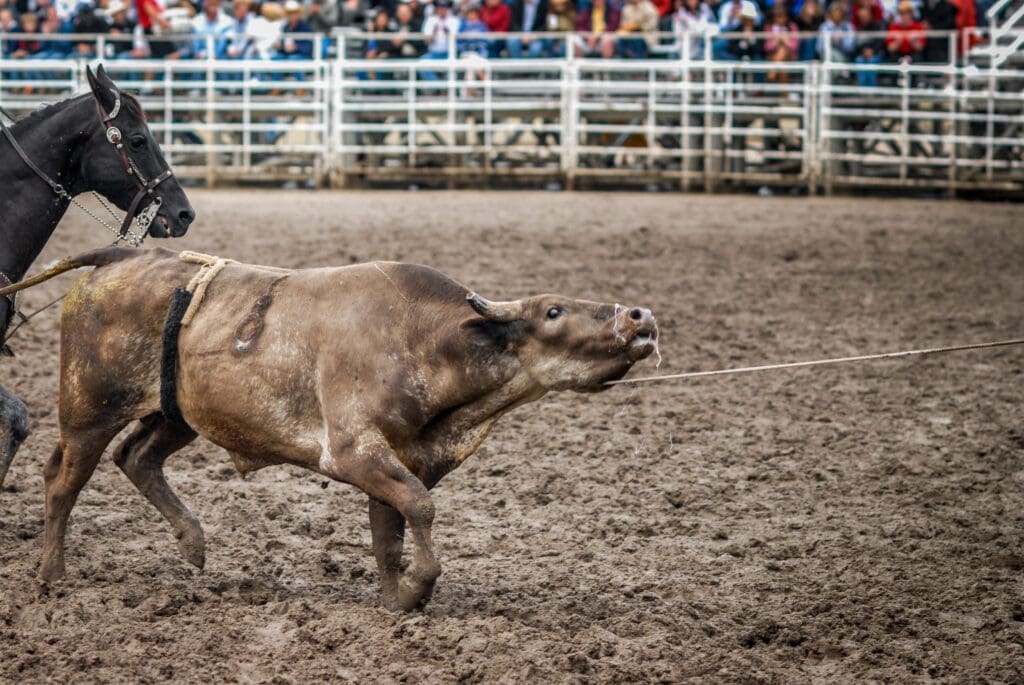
[(98, 142)]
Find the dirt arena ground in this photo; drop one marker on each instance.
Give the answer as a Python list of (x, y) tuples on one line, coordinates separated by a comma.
[(841, 524)]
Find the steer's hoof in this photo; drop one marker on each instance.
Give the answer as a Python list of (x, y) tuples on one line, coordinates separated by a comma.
[(51, 571), (413, 596), (193, 547)]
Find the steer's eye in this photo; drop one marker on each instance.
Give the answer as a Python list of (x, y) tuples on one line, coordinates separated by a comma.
[(555, 312), (138, 142)]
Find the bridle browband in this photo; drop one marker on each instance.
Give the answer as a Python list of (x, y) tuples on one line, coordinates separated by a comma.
[(146, 188)]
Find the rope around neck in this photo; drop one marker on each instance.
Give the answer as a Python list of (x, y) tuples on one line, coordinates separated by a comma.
[(820, 362)]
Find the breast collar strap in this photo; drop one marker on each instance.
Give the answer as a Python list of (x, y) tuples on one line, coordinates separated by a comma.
[(146, 188)]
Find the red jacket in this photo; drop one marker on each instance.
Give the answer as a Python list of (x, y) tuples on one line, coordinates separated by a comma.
[(663, 6), (966, 17), (497, 18), (905, 39)]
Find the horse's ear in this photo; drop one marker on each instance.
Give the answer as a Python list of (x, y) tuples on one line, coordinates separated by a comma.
[(102, 87)]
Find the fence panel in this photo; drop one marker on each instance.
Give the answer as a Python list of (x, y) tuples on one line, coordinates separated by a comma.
[(683, 118)]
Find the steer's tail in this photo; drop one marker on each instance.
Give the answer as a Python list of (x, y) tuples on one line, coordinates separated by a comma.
[(100, 257)]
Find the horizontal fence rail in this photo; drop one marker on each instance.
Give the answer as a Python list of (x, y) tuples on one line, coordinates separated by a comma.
[(681, 117)]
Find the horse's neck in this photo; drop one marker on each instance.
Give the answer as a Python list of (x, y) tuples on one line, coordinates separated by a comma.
[(29, 208)]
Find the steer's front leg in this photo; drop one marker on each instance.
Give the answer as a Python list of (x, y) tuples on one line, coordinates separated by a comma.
[(368, 462), (388, 529)]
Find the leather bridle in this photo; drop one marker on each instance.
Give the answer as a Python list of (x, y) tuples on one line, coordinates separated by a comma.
[(146, 187)]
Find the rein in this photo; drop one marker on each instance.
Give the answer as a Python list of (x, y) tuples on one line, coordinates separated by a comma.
[(146, 187)]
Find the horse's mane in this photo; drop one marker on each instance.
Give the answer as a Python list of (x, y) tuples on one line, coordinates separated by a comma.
[(128, 100)]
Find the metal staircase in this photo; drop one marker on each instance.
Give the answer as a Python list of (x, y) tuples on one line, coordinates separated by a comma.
[(1005, 46)]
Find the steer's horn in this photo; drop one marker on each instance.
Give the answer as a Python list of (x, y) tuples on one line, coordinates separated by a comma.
[(495, 311)]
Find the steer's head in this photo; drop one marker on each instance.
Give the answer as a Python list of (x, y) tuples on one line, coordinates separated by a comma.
[(567, 344)]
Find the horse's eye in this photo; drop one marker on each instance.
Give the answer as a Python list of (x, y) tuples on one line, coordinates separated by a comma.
[(555, 312), (138, 142)]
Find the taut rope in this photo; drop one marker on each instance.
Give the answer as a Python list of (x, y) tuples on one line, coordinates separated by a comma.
[(820, 362)]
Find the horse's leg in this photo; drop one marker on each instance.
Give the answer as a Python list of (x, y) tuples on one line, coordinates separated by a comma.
[(141, 456), (69, 468), (13, 429)]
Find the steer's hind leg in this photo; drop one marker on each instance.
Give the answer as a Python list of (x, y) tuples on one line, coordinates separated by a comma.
[(70, 467), (369, 463), (141, 456), (388, 529)]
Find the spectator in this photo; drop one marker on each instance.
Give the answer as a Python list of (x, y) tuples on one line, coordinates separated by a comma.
[(809, 19), (88, 21), (352, 13), (472, 23), (747, 46), (380, 46), (320, 19), (561, 18), (117, 19), (782, 44), (838, 33), (406, 23), (966, 18), (52, 25), (870, 48), (639, 16), (28, 48), (152, 22), (210, 24), (729, 15), (598, 24), (265, 30), (67, 10), (497, 16), (240, 44), (439, 28), (294, 48), (905, 40), (877, 12), (418, 11), (528, 16), (696, 19), (8, 24), (938, 15)]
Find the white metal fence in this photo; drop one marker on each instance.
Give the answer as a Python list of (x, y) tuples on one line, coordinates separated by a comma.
[(465, 119)]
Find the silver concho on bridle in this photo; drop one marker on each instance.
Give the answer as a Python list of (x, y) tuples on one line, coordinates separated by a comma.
[(114, 135)]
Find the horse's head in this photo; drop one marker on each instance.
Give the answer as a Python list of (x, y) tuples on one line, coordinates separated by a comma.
[(123, 161)]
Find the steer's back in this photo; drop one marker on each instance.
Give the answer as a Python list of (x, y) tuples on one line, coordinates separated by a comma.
[(111, 328)]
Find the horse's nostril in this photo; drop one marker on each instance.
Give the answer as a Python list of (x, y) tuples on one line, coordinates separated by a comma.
[(186, 216), (636, 314)]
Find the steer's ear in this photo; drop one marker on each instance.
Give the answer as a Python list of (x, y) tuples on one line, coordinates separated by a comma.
[(494, 333)]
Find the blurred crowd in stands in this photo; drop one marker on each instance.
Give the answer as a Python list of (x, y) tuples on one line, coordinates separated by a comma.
[(893, 30)]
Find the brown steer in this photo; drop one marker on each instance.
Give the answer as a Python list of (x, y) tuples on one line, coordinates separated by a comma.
[(383, 375)]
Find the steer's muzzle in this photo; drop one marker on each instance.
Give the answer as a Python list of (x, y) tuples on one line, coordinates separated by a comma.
[(639, 332)]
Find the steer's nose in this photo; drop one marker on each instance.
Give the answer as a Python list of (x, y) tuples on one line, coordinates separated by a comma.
[(643, 318)]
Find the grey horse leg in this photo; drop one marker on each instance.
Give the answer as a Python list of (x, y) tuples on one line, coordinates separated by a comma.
[(13, 429)]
